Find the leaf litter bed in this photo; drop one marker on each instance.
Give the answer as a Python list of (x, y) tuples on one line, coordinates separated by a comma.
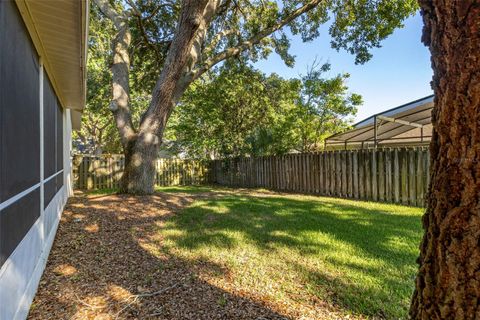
[(107, 262)]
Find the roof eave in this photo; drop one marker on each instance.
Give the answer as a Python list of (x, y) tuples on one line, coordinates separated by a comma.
[(70, 46)]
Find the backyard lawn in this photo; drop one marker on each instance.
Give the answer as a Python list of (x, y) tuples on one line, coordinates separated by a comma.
[(210, 253)]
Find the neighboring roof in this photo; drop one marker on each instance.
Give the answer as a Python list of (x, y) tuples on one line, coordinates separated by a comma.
[(59, 33), (408, 123)]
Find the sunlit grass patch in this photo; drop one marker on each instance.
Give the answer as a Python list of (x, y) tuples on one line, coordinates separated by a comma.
[(294, 249)]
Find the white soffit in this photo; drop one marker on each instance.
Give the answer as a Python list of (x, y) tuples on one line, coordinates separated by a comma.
[(59, 31)]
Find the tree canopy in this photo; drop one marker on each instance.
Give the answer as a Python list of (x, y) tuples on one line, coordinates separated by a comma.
[(241, 111), (254, 29), (153, 25), (162, 48)]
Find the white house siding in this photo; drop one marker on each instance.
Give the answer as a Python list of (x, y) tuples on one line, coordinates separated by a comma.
[(28, 219)]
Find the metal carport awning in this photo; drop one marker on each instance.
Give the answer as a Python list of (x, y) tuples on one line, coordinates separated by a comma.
[(408, 124)]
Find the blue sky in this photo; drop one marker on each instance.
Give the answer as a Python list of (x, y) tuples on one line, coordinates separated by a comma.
[(399, 71)]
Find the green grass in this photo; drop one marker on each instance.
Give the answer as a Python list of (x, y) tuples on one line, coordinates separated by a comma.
[(186, 189), (357, 255)]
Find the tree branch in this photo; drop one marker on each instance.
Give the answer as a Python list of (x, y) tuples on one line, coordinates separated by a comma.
[(248, 44), (213, 8), (117, 18), (210, 10), (119, 104), (141, 26), (156, 116), (216, 38), (136, 11)]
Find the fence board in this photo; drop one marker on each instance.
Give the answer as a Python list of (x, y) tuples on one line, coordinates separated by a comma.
[(361, 175), (326, 173), (404, 175), (388, 175), (412, 178), (355, 174), (368, 175), (374, 175), (349, 175), (343, 166), (381, 175), (420, 179), (396, 176)]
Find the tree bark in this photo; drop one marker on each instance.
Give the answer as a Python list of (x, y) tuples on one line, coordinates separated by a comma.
[(448, 281)]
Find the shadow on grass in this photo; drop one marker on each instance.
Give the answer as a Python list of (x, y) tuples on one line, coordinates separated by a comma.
[(368, 250), (103, 254), (357, 255)]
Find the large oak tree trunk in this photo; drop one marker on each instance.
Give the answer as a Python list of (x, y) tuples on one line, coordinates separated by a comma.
[(448, 280), (139, 174), (142, 150)]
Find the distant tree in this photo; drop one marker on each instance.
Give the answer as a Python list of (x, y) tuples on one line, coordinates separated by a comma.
[(326, 107), (218, 116), (320, 107), (448, 280), (190, 37), (240, 111)]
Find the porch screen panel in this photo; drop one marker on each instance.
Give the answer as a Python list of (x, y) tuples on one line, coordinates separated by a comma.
[(59, 146), (53, 141), (16, 220), (49, 191), (49, 127), (19, 105)]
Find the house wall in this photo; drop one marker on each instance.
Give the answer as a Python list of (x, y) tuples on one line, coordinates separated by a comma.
[(35, 145)]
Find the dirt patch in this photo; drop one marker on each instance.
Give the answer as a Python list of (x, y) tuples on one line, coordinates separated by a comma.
[(100, 268)]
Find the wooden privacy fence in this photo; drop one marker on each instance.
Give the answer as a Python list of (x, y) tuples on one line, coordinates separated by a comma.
[(396, 175), (399, 175), (91, 172)]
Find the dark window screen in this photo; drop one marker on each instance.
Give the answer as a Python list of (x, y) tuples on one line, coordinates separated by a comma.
[(19, 105), (49, 191), (59, 184), (16, 220), (49, 127)]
